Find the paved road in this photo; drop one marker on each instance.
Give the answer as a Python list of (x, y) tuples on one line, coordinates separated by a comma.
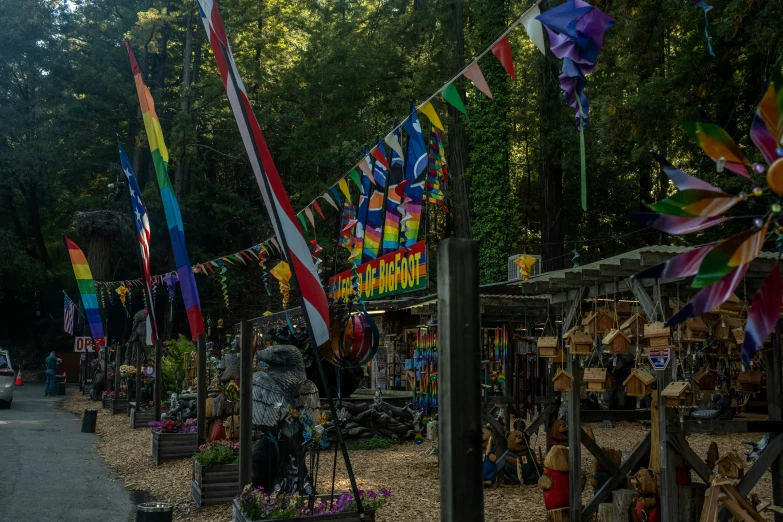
[(48, 468)]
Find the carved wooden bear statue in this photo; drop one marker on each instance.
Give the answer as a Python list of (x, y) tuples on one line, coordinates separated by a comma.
[(490, 469), (554, 481), (647, 501), (600, 474), (558, 433)]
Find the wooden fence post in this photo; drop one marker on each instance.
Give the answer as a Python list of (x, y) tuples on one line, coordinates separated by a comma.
[(138, 376), (246, 404), (459, 323), (775, 398), (574, 441), (201, 380), (158, 377), (117, 364)]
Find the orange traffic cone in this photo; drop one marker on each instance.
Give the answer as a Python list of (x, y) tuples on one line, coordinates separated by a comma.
[(18, 381)]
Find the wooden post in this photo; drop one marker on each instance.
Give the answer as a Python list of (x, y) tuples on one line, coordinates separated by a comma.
[(245, 403), (775, 399), (459, 322), (105, 367), (574, 442), (158, 377), (117, 364), (201, 379), (667, 486), (138, 378)]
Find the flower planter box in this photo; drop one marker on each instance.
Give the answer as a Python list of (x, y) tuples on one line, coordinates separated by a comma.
[(215, 485), (141, 419), (116, 405), (106, 402), (351, 516), (172, 446)]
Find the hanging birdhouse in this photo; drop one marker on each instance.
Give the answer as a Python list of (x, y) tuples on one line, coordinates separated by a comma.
[(599, 322), (705, 379), (597, 379), (579, 342), (751, 381), (731, 465), (678, 394), (639, 383), (634, 324), (562, 380), (549, 347), (695, 329), (738, 334), (616, 341), (721, 329), (658, 335)]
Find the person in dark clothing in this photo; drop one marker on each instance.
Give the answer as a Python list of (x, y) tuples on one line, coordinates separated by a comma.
[(51, 371)]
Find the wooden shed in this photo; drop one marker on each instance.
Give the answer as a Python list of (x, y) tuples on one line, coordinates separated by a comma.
[(597, 379), (579, 342), (549, 347), (751, 381), (616, 341), (678, 394), (562, 380), (630, 325), (731, 465), (599, 322), (639, 383), (658, 335)]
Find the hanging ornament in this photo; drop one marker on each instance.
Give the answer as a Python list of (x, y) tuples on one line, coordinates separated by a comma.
[(223, 284), (354, 338), (282, 272), (170, 280), (122, 290)]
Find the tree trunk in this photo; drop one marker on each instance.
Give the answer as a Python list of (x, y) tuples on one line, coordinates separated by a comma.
[(99, 257), (34, 223), (181, 182), (459, 224), (551, 163)]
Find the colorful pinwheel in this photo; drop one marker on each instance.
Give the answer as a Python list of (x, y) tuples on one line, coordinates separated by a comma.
[(718, 268)]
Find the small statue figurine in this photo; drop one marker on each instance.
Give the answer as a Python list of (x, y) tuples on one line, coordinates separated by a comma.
[(554, 481), (517, 461), (558, 433), (601, 475), (647, 501), (490, 469)]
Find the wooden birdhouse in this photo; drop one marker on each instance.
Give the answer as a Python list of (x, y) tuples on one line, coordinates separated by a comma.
[(597, 379), (695, 329), (751, 381), (639, 383), (731, 465), (549, 347), (633, 324), (616, 341), (579, 342), (678, 394), (658, 335), (721, 329), (705, 379), (599, 322), (562, 380), (738, 334)]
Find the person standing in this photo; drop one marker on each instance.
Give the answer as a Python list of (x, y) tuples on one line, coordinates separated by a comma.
[(51, 371)]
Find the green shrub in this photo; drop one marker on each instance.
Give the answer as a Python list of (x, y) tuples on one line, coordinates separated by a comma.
[(377, 442), (173, 362), (217, 453)]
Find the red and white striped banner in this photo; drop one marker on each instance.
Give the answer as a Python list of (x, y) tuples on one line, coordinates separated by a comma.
[(281, 213)]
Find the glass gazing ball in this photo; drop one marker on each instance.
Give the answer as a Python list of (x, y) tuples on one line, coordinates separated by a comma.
[(758, 191), (759, 168), (775, 208), (779, 151), (775, 177), (758, 222)]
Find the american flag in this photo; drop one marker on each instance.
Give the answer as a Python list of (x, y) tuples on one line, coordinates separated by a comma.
[(69, 314), (143, 230)]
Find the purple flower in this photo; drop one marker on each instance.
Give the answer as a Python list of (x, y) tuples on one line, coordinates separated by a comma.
[(372, 494), (385, 492)]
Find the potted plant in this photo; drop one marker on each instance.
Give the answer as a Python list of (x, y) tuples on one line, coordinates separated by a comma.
[(215, 473), (117, 402), (255, 504), (172, 440), (142, 416)]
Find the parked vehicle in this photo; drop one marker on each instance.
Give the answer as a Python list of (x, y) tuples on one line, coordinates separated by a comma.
[(6, 380)]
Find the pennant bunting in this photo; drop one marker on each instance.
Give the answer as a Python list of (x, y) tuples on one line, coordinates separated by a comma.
[(328, 198), (474, 74), (344, 187), (450, 94), (336, 194), (429, 112), (502, 51), (535, 30), (393, 140), (317, 208), (160, 158), (380, 166), (356, 178), (310, 217), (302, 221)]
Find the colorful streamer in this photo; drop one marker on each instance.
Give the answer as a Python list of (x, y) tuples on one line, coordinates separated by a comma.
[(83, 274)]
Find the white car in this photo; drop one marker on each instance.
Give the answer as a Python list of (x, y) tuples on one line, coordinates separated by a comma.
[(6, 380)]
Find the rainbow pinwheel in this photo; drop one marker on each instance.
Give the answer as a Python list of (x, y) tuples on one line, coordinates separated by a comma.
[(718, 268)]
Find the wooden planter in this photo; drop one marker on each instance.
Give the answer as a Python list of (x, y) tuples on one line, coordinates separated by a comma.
[(116, 406), (141, 419), (215, 485), (352, 516), (106, 402), (172, 446)]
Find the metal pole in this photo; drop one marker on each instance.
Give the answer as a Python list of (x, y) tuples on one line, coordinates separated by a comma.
[(201, 379), (245, 403), (459, 323), (158, 377)]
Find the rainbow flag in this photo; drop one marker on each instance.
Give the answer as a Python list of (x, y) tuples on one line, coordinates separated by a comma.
[(160, 158), (391, 227), (86, 288), (372, 230)]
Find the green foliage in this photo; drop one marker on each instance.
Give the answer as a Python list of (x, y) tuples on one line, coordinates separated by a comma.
[(173, 361), (377, 442), (217, 453)]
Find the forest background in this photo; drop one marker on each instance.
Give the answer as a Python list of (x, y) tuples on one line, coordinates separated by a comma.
[(326, 77)]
